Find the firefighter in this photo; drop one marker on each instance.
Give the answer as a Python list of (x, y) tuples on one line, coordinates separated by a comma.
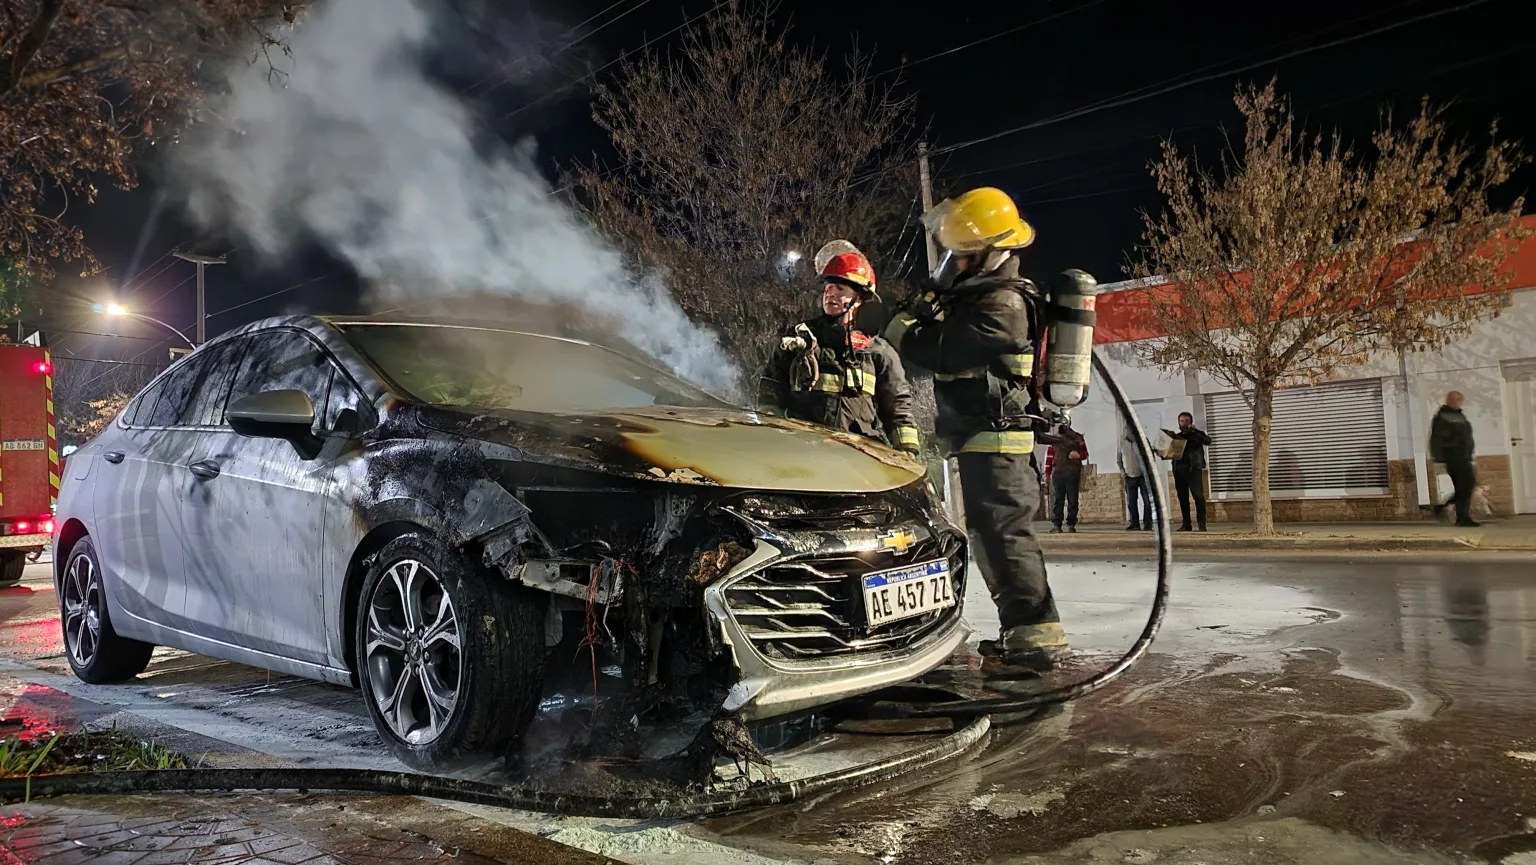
[(976, 329), (828, 372)]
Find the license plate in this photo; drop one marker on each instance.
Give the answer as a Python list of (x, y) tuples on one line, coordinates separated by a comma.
[(900, 593)]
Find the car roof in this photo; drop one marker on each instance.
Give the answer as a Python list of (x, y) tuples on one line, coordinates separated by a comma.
[(322, 325)]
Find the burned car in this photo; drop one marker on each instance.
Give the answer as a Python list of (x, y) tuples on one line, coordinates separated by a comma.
[(454, 518)]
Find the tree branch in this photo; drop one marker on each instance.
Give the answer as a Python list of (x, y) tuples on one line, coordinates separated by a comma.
[(31, 42), (79, 67)]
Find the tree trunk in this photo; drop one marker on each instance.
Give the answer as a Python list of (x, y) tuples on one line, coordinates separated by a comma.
[(1263, 416)]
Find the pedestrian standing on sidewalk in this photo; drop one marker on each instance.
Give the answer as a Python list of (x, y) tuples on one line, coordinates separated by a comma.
[(1189, 470), (1138, 494), (1450, 443), (1064, 467)]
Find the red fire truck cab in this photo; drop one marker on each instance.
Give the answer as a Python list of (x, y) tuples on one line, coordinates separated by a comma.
[(29, 457)]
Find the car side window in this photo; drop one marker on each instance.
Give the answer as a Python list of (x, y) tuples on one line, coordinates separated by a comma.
[(143, 406), (211, 389), (344, 397), (174, 391), (284, 360)]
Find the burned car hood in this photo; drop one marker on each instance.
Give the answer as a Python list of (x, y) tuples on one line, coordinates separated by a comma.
[(724, 447)]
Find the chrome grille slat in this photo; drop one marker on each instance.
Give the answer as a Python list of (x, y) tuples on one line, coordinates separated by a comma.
[(812, 608)]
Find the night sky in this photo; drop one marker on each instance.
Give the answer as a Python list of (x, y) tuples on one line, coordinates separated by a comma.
[(1081, 180)]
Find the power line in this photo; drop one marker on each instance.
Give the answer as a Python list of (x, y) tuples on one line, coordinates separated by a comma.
[(1127, 100), (1009, 32), (72, 359), (593, 74), (1435, 73), (53, 330), (294, 287), (570, 32)]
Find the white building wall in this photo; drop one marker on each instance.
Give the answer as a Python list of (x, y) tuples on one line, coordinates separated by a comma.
[(1471, 365)]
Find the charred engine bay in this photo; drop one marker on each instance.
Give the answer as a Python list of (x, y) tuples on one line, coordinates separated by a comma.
[(638, 673)]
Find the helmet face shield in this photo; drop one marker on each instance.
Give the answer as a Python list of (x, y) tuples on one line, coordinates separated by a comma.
[(946, 271)]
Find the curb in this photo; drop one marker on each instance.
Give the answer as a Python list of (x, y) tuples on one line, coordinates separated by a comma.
[(1053, 543)]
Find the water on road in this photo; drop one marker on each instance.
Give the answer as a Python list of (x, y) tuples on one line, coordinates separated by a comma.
[(1298, 710)]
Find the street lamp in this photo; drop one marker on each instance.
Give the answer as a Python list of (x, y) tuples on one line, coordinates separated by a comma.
[(117, 310)]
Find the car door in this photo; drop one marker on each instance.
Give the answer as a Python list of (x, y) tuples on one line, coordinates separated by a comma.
[(136, 503), (258, 513)]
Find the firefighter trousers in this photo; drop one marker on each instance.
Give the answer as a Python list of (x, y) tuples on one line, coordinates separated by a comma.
[(1002, 494)]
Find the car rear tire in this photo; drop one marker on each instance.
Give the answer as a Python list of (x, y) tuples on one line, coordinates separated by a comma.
[(96, 652), (12, 563), (450, 658)]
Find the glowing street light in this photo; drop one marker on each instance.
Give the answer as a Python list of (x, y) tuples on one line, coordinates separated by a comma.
[(117, 310)]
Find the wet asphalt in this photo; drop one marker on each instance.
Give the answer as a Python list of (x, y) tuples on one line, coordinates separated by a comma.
[(1300, 711), (1304, 709)]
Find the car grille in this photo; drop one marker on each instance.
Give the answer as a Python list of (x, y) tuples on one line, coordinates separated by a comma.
[(811, 608)]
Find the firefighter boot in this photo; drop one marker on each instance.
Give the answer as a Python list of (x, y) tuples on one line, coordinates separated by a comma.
[(1025, 650)]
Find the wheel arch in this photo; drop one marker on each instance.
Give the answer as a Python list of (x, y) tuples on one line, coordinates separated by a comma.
[(69, 535), (357, 573)]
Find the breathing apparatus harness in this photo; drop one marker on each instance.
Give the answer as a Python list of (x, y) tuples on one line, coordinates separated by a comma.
[(1067, 309)]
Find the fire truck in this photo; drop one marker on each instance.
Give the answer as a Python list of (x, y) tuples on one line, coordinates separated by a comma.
[(29, 457)]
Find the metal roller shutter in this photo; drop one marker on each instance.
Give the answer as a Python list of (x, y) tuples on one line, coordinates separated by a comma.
[(1329, 440)]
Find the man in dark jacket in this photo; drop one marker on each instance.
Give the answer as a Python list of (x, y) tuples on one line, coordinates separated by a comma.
[(1450, 442), (829, 373), (1189, 469), (1064, 470), (976, 330)]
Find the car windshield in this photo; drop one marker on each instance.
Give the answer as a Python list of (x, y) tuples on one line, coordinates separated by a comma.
[(497, 369)]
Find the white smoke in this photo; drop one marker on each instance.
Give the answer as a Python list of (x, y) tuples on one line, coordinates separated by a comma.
[(350, 144)]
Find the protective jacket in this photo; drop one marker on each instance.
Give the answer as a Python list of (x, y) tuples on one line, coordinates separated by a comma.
[(828, 374), (978, 338)]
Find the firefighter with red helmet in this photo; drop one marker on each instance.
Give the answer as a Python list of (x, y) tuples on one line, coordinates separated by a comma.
[(828, 372)]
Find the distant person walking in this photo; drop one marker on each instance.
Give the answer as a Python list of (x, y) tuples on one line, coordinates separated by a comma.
[(1138, 492), (1064, 469), (1189, 469), (1450, 443)]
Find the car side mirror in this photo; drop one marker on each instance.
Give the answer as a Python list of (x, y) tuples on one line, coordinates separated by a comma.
[(278, 414)]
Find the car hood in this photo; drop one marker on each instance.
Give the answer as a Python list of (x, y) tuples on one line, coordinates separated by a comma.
[(724, 447)]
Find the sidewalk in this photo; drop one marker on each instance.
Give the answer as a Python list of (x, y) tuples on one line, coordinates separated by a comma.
[(1514, 534)]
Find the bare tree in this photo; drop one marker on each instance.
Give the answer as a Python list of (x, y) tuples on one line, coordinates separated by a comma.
[(90, 393), (740, 153), (82, 83), (97, 413), (1302, 258)]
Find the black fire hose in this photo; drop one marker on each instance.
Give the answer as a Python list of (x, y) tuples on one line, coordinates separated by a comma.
[(1009, 705), (952, 747)]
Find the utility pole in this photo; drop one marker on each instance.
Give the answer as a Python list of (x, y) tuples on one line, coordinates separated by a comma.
[(951, 469), (926, 180), (201, 261)]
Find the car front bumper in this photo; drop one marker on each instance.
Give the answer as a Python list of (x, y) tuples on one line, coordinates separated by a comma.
[(770, 687)]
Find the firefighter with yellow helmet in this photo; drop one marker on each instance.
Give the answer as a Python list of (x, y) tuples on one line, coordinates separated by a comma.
[(976, 329), (827, 371)]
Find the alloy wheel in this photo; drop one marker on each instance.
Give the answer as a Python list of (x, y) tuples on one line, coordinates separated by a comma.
[(82, 610), (413, 652)]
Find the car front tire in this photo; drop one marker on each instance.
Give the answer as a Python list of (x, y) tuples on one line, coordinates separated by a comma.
[(450, 658), (96, 652)]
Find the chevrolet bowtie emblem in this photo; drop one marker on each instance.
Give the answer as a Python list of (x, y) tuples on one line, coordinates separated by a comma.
[(899, 540)]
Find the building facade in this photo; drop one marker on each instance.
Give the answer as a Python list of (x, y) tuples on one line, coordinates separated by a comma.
[(1350, 448)]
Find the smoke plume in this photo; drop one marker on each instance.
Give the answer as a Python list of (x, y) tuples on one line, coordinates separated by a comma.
[(348, 143)]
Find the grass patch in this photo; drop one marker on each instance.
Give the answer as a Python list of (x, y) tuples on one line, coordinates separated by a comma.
[(65, 753)]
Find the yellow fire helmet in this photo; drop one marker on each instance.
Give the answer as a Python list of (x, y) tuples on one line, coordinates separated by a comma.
[(978, 220)]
